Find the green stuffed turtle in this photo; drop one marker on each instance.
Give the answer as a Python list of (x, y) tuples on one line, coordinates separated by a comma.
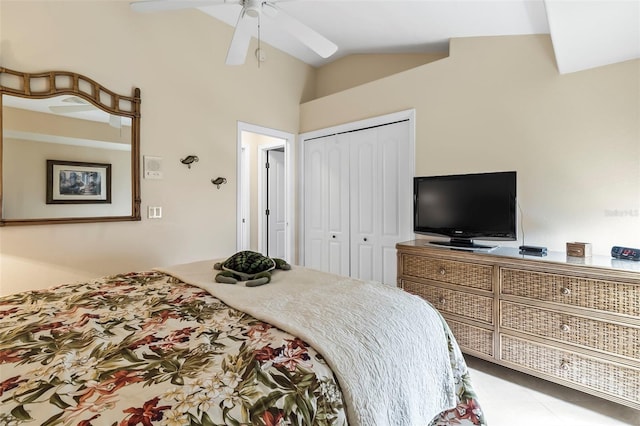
[(249, 266)]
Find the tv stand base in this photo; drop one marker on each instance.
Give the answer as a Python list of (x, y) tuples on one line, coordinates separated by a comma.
[(462, 245)]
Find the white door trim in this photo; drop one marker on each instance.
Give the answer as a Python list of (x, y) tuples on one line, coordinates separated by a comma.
[(409, 115), (244, 215), (289, 202)]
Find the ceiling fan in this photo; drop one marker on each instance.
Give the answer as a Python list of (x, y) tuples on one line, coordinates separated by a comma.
[(249, 10), (77, 104)]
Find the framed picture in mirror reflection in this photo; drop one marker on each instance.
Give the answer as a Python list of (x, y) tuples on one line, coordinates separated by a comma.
[(74, 182)]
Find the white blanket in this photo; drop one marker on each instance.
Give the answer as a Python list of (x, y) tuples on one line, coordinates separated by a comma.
[(386, 347)]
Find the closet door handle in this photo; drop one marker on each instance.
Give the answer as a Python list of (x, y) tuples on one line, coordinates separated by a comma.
[(365, 239), (333, 236)]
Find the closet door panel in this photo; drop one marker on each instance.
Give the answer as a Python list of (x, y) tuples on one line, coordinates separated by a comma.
[(390, 170), (364, 268), (315, 234), (395, 196), (364, 215), (337, 206), (326, 195)]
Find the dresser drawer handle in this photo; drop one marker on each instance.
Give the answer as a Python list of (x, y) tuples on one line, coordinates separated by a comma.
[(443, 271), (565, 328), (565, 290), (564, 365), (442, 300)]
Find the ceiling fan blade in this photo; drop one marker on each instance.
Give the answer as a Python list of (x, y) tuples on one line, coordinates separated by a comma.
[(161, 5), (67, 109), (240, 41), (312, 39)]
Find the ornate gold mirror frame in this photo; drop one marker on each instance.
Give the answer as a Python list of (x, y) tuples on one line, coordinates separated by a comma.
[(41, 152)]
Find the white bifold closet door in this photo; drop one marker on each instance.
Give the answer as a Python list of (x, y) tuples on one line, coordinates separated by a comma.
[(358, 189)]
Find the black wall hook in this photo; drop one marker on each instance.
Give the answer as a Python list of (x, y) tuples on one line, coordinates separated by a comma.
[(189, 160), (219, 181)]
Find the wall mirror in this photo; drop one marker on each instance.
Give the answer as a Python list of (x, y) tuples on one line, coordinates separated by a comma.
[(69, 150)]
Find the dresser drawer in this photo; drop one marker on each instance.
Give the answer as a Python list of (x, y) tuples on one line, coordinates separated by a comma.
[(472, 338), (589, 333), (448, 271), (607, 296), (610, 378), (454, 302)]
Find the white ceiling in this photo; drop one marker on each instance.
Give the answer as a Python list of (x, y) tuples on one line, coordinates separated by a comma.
[(44, 105), (585, 33)]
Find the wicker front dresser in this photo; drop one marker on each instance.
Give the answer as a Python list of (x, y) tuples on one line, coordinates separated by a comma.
[(574, 321)]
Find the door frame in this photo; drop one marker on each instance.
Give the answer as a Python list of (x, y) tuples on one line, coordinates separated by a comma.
[(244, 199), (289, 202), (409, 114)]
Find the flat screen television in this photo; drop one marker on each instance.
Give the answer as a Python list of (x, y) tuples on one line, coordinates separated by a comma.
[(466, 207)]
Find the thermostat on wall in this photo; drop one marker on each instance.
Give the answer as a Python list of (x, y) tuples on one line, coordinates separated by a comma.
[(152, 167)]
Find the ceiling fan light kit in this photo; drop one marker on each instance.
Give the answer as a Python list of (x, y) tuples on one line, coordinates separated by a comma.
[(251, 9)]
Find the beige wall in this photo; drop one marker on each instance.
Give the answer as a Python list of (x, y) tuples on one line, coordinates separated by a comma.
[(499, 103), (191, 102), (354, 70)]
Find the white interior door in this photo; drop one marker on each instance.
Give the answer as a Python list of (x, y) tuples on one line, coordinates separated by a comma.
[(276, 218)]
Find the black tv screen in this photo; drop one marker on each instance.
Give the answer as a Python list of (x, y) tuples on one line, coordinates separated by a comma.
[(464, 207)]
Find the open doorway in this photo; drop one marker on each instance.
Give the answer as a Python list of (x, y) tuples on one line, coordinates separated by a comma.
[(264, 222)]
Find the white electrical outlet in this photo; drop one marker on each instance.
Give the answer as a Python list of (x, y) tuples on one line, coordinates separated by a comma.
[(154, 212)]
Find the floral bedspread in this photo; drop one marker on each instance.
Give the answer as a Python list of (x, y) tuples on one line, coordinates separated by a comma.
[(146, 349)]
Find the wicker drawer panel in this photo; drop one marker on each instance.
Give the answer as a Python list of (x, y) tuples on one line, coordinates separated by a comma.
[(448, 271), (454, 302), (602, 295), (473, 338), (610, 378), (612, 338)]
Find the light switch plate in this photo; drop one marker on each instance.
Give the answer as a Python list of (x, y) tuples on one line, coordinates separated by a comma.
[(154, 212)]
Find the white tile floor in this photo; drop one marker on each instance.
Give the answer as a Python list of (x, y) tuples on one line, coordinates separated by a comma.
[(511, 398)]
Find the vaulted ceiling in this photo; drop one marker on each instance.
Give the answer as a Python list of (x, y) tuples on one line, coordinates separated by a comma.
[(584, 33)]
